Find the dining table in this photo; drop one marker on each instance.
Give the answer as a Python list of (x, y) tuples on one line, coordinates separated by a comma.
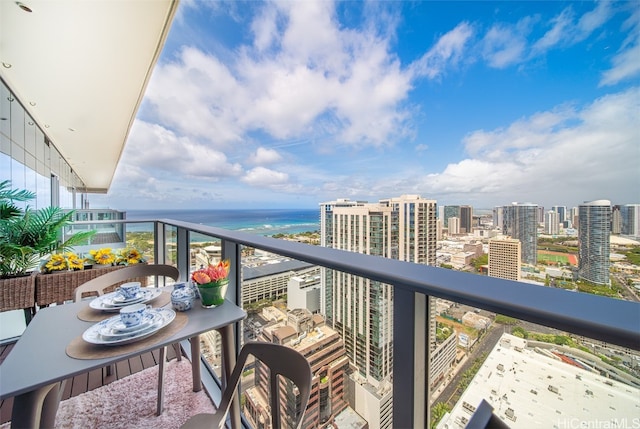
[(52, 350)]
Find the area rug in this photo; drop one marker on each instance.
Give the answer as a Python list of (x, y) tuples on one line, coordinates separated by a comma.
[(131, 402)]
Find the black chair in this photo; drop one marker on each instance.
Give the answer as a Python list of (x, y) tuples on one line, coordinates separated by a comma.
[(280, 360)]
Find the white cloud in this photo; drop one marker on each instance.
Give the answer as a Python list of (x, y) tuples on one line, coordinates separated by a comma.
[(304, 82), (447, 51), (264, 177), (301, 74), (558, 32), (154, 148), (593, 20), (264, 156), (571, 154), (504, 45), (566, 31), (625, 66)]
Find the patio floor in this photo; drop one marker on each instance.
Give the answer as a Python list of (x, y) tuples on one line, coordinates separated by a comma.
[(91, 380)]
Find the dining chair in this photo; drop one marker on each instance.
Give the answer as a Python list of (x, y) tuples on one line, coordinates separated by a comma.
[(98, 286), (281, 360)]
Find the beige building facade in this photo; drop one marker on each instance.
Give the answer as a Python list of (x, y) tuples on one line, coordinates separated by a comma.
[(505, 258)]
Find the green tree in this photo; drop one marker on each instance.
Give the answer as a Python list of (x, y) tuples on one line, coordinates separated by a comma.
[(505, 320), (437, 412), (519, 331), (480, 261)]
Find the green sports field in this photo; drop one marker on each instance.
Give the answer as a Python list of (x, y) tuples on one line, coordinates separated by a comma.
[(557, 257)]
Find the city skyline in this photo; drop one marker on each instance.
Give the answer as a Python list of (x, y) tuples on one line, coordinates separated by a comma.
[(288, 104)]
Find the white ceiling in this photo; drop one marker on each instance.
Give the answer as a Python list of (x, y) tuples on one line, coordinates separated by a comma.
[(80, 68)]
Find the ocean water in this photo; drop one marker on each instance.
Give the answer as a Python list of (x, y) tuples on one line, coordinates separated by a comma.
[(262, 222)]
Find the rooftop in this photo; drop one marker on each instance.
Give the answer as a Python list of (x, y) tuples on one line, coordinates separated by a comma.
[(530, 389)]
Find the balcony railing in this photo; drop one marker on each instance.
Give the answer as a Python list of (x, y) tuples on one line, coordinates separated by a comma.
[(600, 318)]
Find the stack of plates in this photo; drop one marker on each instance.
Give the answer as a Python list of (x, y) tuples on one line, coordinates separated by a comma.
[(113, 332), (115, 301)]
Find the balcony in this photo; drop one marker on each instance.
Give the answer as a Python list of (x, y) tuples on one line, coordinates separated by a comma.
[(582, 315)]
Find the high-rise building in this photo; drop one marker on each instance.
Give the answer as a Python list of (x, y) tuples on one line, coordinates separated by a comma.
[(454, 225), (520, 222), (616, 220), (498, 217), (504, 258), (630, 215), (540, 216), (574, 216), (551, 223), (562, 212), (361, 310), (303, 291), (449, 212), (464, 215), (594, 229), (466, 219)]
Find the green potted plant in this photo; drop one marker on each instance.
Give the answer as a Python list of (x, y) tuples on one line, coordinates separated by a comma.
[(26, 235)]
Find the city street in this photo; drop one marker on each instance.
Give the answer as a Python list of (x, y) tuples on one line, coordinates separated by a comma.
[(487, 343)]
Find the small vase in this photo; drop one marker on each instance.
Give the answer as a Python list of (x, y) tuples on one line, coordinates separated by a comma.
[(212, 294), (182, 297)]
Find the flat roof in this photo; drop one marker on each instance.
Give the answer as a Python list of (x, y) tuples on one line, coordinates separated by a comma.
[(270, 269), (537, 390)]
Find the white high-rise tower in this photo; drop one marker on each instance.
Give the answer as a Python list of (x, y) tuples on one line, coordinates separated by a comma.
[(594, 230), (361, 310)]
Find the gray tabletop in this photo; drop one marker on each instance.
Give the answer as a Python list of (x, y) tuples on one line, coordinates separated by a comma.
[(39, 357)]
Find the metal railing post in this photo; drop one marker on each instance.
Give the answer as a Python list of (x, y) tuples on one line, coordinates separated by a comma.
[(183, 253), (231, 251), (160, 243), (410, 357)]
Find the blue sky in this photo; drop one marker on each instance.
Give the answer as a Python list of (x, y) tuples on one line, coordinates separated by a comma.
[(288, 104)]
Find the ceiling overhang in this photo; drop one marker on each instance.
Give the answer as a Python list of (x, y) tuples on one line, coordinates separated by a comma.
[(80, 69)]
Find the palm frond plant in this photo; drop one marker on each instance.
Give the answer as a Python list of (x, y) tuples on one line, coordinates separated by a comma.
[(8, 196), (27, 235)]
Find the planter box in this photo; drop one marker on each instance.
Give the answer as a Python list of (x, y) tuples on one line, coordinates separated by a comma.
[(17, 293), (61, 287)]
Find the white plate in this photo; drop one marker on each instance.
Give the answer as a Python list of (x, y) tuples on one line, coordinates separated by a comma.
[(111, 332), (120, 328), (120, 299), (107, 302), (162, 317)]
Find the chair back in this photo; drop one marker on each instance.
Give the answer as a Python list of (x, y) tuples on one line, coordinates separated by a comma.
[(99, 284), (281, 360)]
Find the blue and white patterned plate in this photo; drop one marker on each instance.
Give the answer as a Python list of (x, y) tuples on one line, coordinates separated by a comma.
[(119, 329), (108, 301), (120, 299), (103, 332)]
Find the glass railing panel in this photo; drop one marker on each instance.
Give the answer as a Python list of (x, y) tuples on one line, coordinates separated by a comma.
[(116, 236), (528, 372), (204, 249), (285, 304), (170, 245)]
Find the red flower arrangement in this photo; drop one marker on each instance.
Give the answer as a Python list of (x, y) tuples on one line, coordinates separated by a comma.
[(212, 273)]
